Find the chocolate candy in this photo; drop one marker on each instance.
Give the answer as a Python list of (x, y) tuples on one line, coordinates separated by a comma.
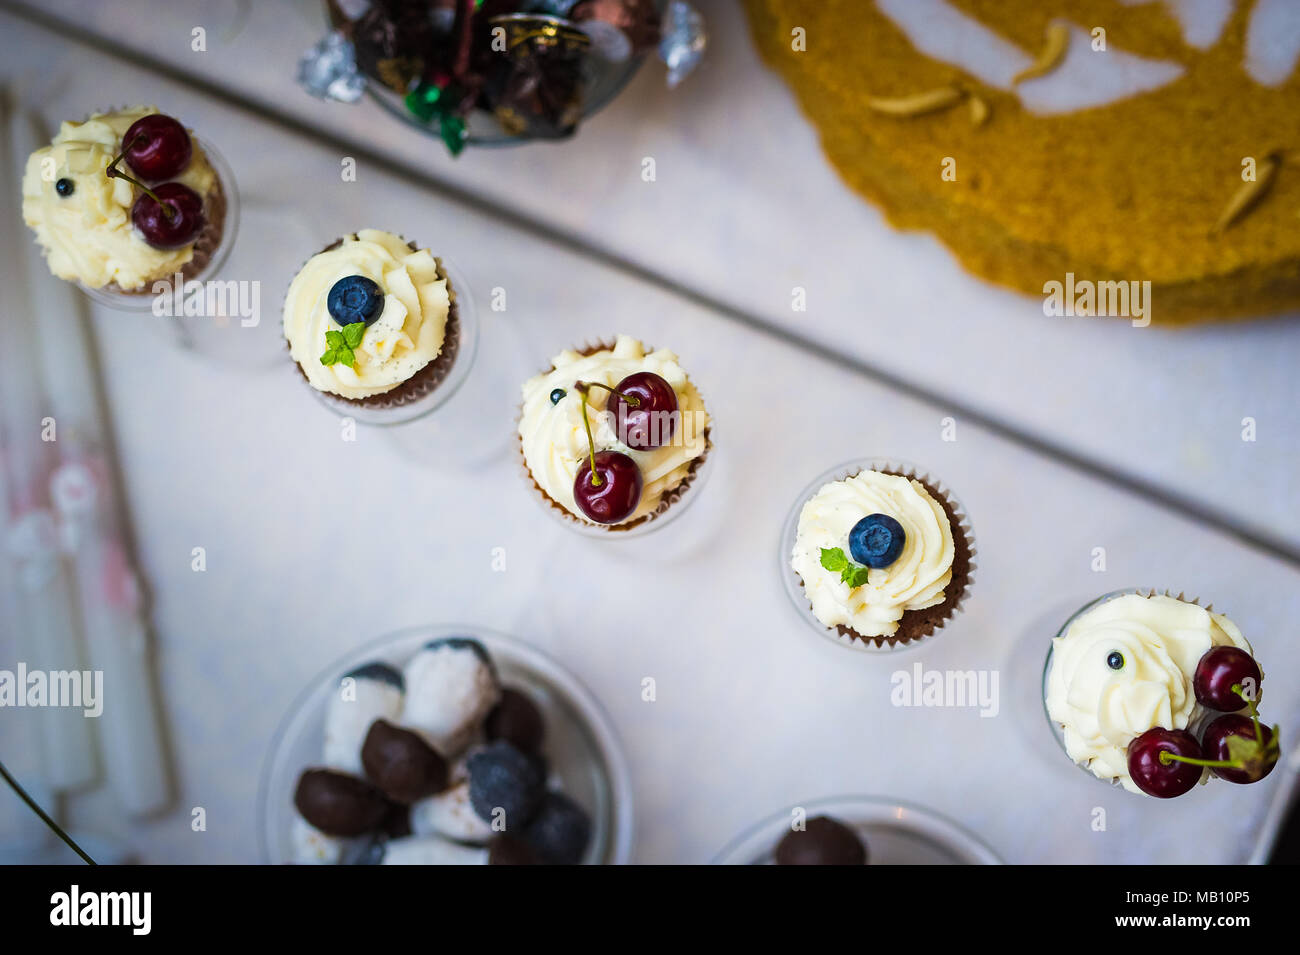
[(338, 804), (451, 686), (559, 831), (401, 763), (510, 850), (535, 86), (394, 41), (505, 784), (517, 720), (822, 841)]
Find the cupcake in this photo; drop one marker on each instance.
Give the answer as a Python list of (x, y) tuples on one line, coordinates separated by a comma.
[(124, 200), (613, 436), (372, 321), (883, 556), (1138, 674)]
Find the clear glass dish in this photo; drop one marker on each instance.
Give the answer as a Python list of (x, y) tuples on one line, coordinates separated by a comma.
[(896, 833), (603, 80), (581, 745), (466, 353), (790, 531), (144, 301), (603, 532)]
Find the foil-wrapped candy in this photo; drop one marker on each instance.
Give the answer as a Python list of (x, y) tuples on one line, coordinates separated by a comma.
[(329, 70), (684, 40), (636, 20)]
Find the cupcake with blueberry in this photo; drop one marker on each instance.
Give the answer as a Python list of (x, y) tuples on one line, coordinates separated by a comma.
[(881, 555), (612, 436), (372, 322), (124, 200), (435, 763), (1158, 694)]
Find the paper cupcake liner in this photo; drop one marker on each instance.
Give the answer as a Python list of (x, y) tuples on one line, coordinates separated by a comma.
[(420, 385), (668, 499), (917, 625)]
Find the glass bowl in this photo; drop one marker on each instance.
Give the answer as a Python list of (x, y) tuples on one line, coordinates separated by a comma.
[(403, 414), (896, 833), (144, 301), (603, 80), (581, 746), (790, 531)]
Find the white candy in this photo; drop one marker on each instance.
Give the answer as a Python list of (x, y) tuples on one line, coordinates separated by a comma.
[(449, 690), (357, 702), (450, 814), (430, 850), (313, 847)]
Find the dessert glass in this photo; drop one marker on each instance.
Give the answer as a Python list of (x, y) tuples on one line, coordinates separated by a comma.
[(790, 531), (581, 744), (896, 833)]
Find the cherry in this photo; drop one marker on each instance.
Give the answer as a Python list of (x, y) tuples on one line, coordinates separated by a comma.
[(164, 229), (1156, 776), (157, 147), (645, 411), (609, 493), (1255, 766), (1220, 669)]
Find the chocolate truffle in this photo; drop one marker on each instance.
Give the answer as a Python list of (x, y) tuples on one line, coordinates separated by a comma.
[(822, 841), (338, 804)]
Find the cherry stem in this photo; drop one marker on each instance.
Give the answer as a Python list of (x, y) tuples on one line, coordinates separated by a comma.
[(1254, 713), (591, 442), (1167, 757), (582, 386), (114, 173)]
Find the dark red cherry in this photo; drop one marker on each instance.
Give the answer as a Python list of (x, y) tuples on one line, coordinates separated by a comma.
[(1219, 670), (618, 493), (1161, 779), (652, 422), (1215, 744), (157, 147), (161, 230)]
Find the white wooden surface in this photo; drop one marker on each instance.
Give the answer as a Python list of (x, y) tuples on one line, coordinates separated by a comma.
[(753, 711)]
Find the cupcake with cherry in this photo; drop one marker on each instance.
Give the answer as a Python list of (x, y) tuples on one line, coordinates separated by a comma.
[(1159, 694), (435, 763), (124, 200), (880, 555), (372, 321), (612, 437)]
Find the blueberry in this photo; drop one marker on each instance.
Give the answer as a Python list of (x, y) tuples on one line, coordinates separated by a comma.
[(355, 299), (556, 395), (65, 187), (380, 672), (876, 540), (1116, 660), (560, 830), (503, 779)]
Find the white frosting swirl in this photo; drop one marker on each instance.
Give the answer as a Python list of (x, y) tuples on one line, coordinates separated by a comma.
[(407, 335), (914, 581), (1101, 709), (555, 441), (88, 236)]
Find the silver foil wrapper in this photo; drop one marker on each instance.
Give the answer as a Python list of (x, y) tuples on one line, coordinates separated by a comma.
[(683, 42), (329, 70)]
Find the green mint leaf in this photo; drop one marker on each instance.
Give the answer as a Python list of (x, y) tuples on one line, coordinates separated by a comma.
[(352, 333), (833, 559), (859, 577), (335, 340), (345, 356), (329, 358)]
